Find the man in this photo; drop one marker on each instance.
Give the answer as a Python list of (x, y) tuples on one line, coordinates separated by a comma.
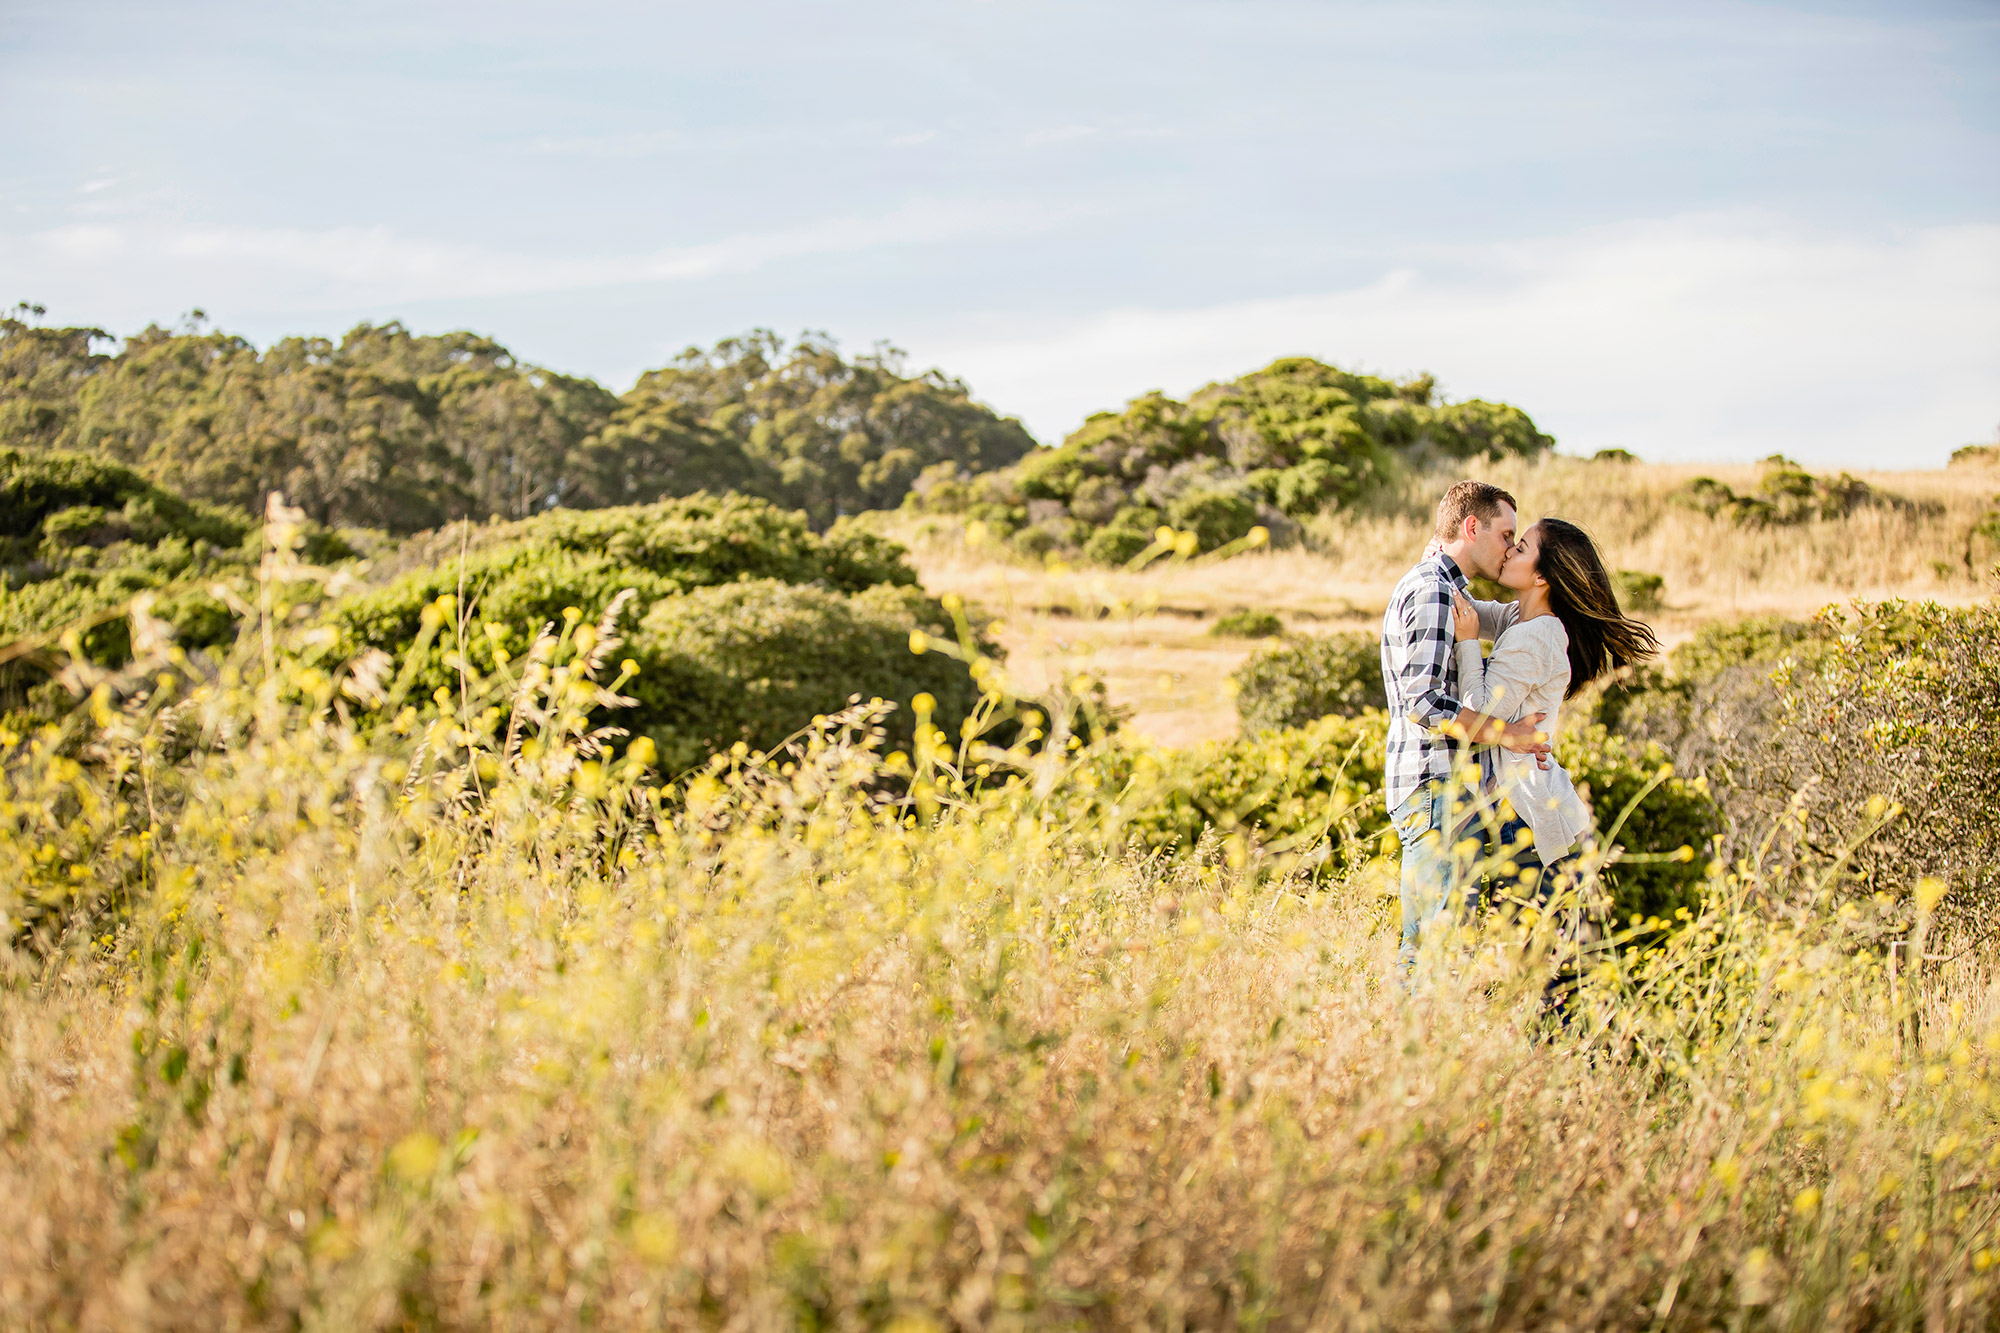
[(1427, 724)]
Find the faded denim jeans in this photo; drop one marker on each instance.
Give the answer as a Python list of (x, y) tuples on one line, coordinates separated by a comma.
[(1432, 868)]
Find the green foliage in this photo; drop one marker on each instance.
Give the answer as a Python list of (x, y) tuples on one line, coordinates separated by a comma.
[(72, 500), (1874, 730), (1284, 442), (1673, 812), (1315, 791), (1309, 678), (755, 662), (1130, 531), (80, 538), (744, 623), (1247, 623), (391, 430), (41, 370), (1786, 494), (1638, 590), (1614, 456), (817, 432), (1719, 680), (1312, 791), (1976, 455)]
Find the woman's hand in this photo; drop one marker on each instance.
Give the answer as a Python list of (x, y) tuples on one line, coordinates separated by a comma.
[(1464, 617)]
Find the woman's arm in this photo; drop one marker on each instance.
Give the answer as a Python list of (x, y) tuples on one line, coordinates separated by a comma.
[(1498, 686), (1478, 719)]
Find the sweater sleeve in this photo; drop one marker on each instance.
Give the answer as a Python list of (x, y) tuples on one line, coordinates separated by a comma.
[(1496, 618), (1499, 685)]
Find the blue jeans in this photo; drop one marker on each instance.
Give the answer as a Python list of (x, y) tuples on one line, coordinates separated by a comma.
[(1524, 880), (1431, 868), (1519, 874)]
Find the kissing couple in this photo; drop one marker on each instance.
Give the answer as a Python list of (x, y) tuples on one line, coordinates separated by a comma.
[(1468, 749)]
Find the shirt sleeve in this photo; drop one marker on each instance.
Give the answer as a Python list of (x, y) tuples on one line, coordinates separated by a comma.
[(1427, 639)]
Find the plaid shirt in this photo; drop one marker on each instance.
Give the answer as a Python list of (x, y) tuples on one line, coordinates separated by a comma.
[(1420, 673)]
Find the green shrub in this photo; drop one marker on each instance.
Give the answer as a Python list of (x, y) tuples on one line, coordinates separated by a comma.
[(1614, 456), (1216, 517), (1715, 686), (1316, 790), (1287, 440), (1895, 703), (745, 623), (79, 539), (83, 493), (1679, 812), (1639, 591), (1337, 675), (524, 574), (1786, 494), (1308, 790), (755, 662), (1247, 624), (1117, 545)]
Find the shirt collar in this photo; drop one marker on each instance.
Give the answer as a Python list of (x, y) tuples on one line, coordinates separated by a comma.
[(1452, 573)]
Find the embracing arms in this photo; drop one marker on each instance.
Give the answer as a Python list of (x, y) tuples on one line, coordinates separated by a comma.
[(1428, 632), (1494, 688)]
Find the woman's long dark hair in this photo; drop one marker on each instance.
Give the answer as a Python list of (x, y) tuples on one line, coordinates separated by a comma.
[(1601, 636)]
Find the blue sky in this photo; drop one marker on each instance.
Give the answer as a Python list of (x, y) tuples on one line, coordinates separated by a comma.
[(1701, 231)]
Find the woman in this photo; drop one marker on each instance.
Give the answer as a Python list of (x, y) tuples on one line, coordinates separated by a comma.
[(1570, 632)]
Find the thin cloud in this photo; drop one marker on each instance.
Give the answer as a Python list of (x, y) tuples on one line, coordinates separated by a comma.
[(322, 268), (1700, 338), (1064, 134)]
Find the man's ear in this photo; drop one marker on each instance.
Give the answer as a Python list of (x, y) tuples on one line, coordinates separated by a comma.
[(1468, 527)]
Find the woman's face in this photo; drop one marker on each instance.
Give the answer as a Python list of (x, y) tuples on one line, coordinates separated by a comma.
[(1518, 571)]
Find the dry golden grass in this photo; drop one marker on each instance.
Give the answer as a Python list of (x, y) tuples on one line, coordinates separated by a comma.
[(1145, 635), (415, 1027), (402, 1036)]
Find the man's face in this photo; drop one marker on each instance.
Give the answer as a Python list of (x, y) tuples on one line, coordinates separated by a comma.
[(1490, 543)]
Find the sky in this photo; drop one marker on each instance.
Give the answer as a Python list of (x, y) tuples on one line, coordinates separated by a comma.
[(1699, 231)]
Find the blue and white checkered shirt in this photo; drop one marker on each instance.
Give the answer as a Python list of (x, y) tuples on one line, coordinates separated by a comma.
[(1420, 673)]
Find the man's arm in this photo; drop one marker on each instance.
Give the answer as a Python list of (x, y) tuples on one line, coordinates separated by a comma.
[(1427, 636), (1523, 737), (1427, 646)]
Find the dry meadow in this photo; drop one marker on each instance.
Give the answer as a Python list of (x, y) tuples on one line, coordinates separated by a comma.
[(462, 1022)]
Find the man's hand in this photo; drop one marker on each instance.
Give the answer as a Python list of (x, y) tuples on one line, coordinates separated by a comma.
[(1525, 737), (1464, 618)]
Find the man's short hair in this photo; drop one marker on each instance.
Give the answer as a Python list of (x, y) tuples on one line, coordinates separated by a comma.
[(1474, 498)]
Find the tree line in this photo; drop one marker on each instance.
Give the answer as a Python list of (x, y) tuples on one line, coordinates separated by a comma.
[(400, 432)]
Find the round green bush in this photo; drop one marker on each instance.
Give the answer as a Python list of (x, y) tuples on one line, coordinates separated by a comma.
[(1116, 545), (1338, 675), (756, 661), (1244, 623), (1216, 517), (1638, 590)]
